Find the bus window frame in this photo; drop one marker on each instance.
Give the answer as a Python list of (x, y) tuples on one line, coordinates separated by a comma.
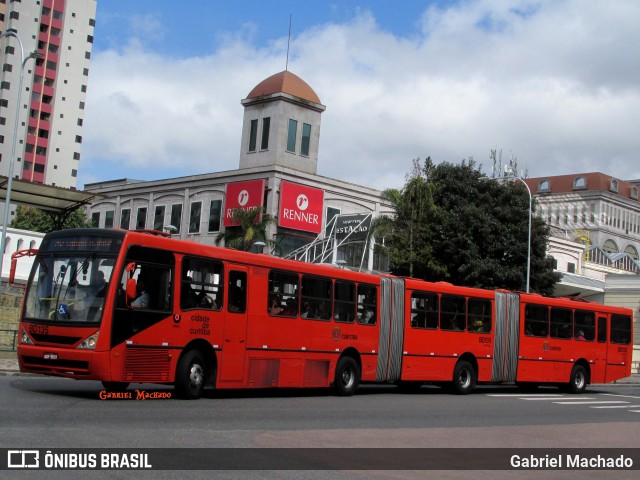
[(429, 315), (282, 295), (316, 299)]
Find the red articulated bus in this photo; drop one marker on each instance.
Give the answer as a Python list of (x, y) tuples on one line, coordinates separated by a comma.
[(127, 307)]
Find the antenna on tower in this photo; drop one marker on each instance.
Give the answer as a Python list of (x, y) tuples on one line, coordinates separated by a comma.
[(492, 156), (288, 43)]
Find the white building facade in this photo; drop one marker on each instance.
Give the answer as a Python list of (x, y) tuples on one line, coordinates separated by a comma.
[(277, 172)]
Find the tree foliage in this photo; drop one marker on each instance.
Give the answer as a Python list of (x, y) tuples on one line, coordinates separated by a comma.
[(451, 224), (252, 227), (44, 221)]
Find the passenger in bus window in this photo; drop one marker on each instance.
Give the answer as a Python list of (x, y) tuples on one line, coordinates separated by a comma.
[(324, 311), (307, 310), (419, 320), (207, 302), (477, 325), (290, 308), (189, 295), (275, 307), (142, 298), (368, 316), (580, 336)]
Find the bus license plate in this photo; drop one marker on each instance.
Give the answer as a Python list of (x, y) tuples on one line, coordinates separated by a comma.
[(50, 356)]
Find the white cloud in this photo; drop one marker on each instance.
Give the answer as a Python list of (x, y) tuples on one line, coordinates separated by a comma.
[(554, 82)]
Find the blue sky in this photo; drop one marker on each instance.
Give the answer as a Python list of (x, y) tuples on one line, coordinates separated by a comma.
[(550, 83)]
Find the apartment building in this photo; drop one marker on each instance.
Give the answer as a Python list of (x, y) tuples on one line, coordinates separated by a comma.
[(49, 109)]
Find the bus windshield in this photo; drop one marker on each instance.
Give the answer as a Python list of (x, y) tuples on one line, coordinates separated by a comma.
[(69, 288)]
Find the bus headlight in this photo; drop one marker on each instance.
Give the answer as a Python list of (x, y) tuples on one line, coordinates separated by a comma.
[(90, 342), (25, 339)]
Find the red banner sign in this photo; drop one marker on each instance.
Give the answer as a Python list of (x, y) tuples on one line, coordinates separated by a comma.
[(301, 207), (244, 195)]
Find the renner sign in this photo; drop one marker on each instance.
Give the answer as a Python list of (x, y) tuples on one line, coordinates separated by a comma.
[(301, 207), (244, 195)]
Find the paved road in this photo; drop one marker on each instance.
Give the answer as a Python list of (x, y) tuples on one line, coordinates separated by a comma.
[(60, 413)]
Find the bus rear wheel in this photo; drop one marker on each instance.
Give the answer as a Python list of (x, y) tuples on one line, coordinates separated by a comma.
[(464, 378), (578, 379), (347, 377), (190, 375)]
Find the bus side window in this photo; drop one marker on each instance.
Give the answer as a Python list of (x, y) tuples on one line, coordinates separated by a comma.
[(201, 284), (479, 315), (367, 305), (620, 329), (536, 321), (237, 292), (602, 330)]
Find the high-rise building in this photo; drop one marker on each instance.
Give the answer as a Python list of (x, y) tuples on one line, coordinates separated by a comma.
[(51, 103)]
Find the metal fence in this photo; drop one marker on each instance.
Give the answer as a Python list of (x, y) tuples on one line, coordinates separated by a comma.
[(8, 340)]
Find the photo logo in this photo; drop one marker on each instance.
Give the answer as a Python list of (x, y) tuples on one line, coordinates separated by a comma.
[(23, 459), (302, 202), (243, 198)]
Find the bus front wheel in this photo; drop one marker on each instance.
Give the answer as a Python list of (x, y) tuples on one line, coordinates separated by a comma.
[(190, 375), (578, 380), (347, 377), (464, 378)]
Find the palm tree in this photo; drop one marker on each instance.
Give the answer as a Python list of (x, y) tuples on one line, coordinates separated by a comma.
[(251, 227)]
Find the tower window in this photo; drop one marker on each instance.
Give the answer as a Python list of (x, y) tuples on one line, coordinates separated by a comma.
[(291, 137), (264, 143), (253, 135), (306, 139)]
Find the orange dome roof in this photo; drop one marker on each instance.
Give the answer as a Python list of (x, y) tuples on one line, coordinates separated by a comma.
[(285, 82)]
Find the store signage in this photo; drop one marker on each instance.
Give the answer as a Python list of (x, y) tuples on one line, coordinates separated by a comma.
[(301, 207), (244, 195), (356, 226)]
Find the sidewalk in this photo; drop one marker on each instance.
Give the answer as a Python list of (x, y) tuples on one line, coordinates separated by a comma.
[(9, 367)]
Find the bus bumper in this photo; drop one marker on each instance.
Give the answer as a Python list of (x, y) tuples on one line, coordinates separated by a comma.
[(60, 362)]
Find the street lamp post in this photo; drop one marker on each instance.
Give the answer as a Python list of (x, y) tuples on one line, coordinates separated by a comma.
[(7, 203), (530, 215)]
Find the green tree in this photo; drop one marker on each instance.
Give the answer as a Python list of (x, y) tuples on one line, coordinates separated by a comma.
[(44, 221), (252, 227), (477, 232), (407, 234)]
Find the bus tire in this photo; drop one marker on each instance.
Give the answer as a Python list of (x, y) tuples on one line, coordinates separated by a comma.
[(464, 378), (115, 386), (578, 380), (191, 373), (347, 377)]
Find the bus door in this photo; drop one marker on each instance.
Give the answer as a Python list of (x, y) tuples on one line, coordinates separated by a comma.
[(619, 350), (235, 326), (598, 374)]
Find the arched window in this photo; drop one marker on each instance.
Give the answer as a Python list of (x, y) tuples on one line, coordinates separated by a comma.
[(631, 251), (544, 186), (610, 246), (614, 185), (32, 244), (580, 182), (634, 192), (7, 242), (19, 244)]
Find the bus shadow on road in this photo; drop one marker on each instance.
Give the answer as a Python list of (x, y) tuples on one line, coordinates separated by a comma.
[(95, 391)]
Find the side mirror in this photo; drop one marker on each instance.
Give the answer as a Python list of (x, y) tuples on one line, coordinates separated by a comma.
[(131, 290)]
